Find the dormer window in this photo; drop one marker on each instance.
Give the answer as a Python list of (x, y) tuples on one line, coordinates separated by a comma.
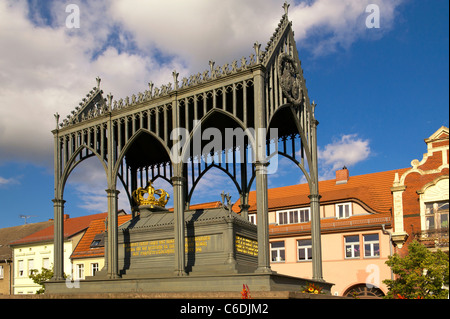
[(343, 210), (98, 241)]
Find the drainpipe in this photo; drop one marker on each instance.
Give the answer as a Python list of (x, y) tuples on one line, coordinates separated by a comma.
[(383, 227)]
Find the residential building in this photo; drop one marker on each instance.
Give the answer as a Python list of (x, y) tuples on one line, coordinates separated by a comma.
[(355, 217), (364, 219), (420, 197), (8, 235), (35, 251), (88, 256)]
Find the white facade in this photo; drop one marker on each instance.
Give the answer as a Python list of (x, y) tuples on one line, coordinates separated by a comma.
[(37, 256)]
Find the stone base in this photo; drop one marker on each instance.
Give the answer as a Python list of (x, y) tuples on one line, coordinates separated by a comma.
[(192, 283)]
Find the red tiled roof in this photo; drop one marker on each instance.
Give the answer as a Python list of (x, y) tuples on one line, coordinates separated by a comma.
[(72, 226), (208, 205), (371, 190), (96, 227)]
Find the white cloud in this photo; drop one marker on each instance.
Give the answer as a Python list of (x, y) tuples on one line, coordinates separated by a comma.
[(48, 68), (346, 151), (8, 181)]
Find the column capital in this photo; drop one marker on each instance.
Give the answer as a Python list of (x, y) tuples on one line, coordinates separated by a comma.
[(314, 197), (58, 201), (178, 179), (111, 191)]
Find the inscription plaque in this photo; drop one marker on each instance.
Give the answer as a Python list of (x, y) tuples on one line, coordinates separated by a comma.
[(246, 246)]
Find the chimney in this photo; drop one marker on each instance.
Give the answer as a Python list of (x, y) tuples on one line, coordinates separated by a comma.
[(66, 216), (342, 176)]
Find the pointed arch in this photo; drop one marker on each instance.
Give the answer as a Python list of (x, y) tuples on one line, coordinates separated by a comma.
[(208, 116), (73, 162), (280, 116), (129, 144)]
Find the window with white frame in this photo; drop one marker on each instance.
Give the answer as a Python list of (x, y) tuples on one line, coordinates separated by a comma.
[(304, 215), (20, 271), (277, 251), (371, 245), (343, 210), (293, 216), (30, 266), (304, 248), (79, 271), (252, 218), (94, 268), (352, 247), (46, 263), (436, 215), (1, 272)]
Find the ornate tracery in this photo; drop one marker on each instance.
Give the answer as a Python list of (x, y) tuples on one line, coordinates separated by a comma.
[(134, 139)]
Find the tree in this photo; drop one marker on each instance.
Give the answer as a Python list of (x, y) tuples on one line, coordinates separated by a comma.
[(420, 274), (39, 278)]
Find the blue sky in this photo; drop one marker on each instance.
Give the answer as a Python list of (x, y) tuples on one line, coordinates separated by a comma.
[(380, 92)]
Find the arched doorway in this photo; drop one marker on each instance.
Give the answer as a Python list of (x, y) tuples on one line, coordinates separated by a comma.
[(362, 291)]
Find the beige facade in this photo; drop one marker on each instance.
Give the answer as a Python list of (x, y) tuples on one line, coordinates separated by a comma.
[(346, 272), (84, 267)]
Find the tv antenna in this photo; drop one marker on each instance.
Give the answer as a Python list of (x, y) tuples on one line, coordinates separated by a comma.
[(26, 217)]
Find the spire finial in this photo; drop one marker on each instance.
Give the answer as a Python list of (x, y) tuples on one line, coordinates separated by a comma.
[(98, 81), (286, 7), (257, 48), (175, 79), (56, 119)]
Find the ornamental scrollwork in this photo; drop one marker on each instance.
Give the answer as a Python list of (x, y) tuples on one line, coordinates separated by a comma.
[(290, 80)]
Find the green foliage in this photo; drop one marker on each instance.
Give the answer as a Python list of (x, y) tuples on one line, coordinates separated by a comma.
[(39, 278), (420, 274)]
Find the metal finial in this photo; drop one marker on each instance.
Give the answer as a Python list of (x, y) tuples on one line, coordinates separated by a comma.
[(286, 7), (257, 48), (56, 115), (175, 79)]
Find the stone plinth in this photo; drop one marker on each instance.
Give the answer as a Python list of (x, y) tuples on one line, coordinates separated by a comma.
[(218, 241)]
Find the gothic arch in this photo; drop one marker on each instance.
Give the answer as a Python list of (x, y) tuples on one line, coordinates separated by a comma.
[(131, 142), (141, 137), (73, 162), (290, 131), (207, 117)]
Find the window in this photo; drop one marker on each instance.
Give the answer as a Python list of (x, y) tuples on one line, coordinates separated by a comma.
[(94, 268), (80, 271), (277, 251), (352, 249), (46, 263), (293, 216), (343, 210), (436, 215), (282, 218), (20, 268), (1, 272), (371, 245), (252, 218), (304, 215), (30, 266), (304, 248)]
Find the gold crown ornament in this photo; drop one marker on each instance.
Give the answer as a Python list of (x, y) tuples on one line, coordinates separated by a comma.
[(139, 195)]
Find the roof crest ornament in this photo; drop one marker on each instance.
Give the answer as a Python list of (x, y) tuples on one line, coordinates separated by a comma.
[(286, 6)]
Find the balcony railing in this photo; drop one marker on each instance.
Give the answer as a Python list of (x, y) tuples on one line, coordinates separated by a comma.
[(433, 237), (330, 226)]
